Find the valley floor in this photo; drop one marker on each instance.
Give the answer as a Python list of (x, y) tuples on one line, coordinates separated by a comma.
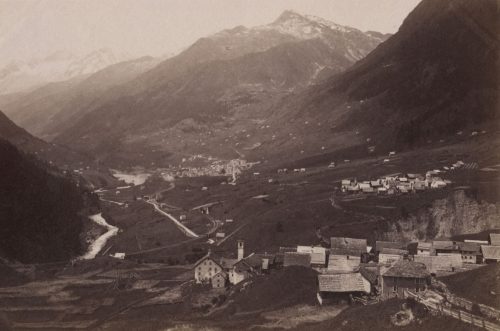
[(152, 288)]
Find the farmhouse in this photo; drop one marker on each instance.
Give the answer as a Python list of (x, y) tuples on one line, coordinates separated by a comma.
[(207, 267), (471, 252), (219, 280), (404, 275), (445, 247)]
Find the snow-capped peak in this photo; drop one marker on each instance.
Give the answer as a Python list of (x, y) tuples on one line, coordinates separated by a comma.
[(304, 26)]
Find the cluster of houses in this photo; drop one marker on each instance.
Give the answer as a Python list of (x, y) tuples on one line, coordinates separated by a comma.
[(285, 170), (395, 183), (351, 270), (216, 168)]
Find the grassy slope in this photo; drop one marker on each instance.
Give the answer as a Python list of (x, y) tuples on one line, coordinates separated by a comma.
[(286, 287), (477, 285), (377, 318)]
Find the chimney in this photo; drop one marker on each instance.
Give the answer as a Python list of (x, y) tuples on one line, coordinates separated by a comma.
[(241, 253)]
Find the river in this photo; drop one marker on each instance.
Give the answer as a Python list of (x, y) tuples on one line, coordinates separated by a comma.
[(100, 242)]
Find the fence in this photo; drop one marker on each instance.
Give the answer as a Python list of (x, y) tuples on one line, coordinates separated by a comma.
[(455, 313)]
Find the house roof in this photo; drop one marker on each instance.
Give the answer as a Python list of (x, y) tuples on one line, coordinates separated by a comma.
[(213, 257), (442, 244), (220, 274), (227, 263), (369, 273), (407, 269), (393, 251), (299, 259), (495, 239), (424, 245), (340, 264), (347, 246), (440, 262), (287, 249), (254, 260), (380, 245), (351, 282), (470, 247), (317, 253), (491, 252)]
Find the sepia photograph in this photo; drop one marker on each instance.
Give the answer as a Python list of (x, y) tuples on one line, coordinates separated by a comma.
[(227, 165)]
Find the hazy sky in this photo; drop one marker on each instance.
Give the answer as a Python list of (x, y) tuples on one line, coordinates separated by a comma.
[(30, 28)]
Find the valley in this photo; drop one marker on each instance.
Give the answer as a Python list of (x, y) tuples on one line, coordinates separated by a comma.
[(297, 174), (295, 208)]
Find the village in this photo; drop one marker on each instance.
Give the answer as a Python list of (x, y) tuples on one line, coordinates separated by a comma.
[(350, 271), (399, 182)]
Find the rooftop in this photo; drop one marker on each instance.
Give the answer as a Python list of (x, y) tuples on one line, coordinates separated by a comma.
[(351, 282), (407, 269), (495, 239), (380, 245), (347, 246), (491, 252), (299, 259)]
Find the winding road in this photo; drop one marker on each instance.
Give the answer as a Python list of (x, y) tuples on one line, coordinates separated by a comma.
[(188, 232)]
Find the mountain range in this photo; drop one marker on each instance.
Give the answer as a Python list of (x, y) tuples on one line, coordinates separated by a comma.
[(229, 77), (18, 76), (297, 87)]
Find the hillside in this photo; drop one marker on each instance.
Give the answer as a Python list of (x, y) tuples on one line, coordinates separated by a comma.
[(228, 80), (41, 212), (470, 285), (437, 75), (55, 154), (47, 109)]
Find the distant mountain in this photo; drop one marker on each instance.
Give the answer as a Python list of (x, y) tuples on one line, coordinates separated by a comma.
[(226, 78), (20, 76), (47, 109), (41, 211)]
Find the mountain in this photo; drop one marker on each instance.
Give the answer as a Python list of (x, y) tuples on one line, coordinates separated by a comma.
[(228, 79), (54, 105), (19, 76), (437, 75), (54, 154), (41, 211)]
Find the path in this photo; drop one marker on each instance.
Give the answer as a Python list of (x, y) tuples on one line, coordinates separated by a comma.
[(188, 232), (456, 313)]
